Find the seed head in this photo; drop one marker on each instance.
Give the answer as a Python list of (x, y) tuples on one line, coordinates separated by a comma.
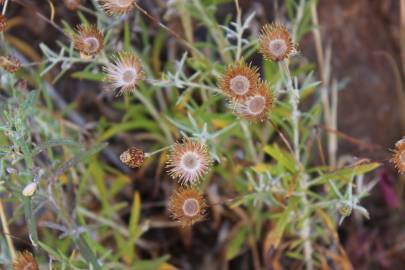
[(25, 261), (88, 40), (71, 4), (275, 42), (187, 206), (10, 63), (239, 81), (3, 23), (398, 158), (257, 106), (188, 161), (124, 73), (117, 7), (133, 157)]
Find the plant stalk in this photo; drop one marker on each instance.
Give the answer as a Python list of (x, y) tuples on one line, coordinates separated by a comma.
[(305, 231)]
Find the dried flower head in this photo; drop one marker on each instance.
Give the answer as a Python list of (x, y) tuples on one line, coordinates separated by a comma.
[(25, 261), (188, 161), (398, 159), (71, 4), (88, 40), (133, 157), (275, 42), (10, 63), (239, 81), (3, 23), (117, 7), (257, 106), (125, 73), (187, 206)]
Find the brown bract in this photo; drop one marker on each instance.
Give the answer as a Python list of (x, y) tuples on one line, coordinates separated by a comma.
[(398, 158), (88, 40), (187, 206), (3, 23), (10, 63), (117, 7), (239, 81), (257, 106), (71, 4), (188, 161), (25, 261), (124, 73), (133, 157), (275, 42)]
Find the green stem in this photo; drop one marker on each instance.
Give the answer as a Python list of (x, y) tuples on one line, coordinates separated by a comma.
[(155, 114), (31, 222), (249, 139)]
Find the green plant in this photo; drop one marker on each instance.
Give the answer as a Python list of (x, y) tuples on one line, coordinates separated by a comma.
[(266, 170)]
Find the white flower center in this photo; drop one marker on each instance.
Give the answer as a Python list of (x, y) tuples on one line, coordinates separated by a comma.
[(402, 158), (256, 105), (240, 85), (124, 3), (190, 161), (92, 44), (129, 76), (191, 207), (278, 47)]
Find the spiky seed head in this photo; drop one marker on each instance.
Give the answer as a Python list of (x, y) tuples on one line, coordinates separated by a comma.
[(398, 158), (188, 161), (3, 23), (239, 81), (71, 4), (187, 206), (275, 42), (257, 106), (25, 261), (124, 74), (88, 40), (117, 7), (133, 157), (10, 63), (344, 209)]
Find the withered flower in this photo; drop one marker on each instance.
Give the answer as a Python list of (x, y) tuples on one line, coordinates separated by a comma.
[(133, 157), (239, 81), (398, 159), (188, 161), (275, 42), (187, 206), (25, 261), (257, 106), (10, 63), (71, 4), (88, 40), (125, 72), (117, 7)]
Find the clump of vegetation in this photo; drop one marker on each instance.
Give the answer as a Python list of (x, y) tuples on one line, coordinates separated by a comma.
[(226, 140)]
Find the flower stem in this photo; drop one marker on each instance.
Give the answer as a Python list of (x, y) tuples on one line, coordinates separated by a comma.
[(305, 231), (155, 114), (6, 231)]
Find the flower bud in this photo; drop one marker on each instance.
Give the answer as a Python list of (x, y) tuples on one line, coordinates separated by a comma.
[(30, 189)]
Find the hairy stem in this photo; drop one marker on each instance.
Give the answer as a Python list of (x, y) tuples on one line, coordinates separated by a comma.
[(305, 231)]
